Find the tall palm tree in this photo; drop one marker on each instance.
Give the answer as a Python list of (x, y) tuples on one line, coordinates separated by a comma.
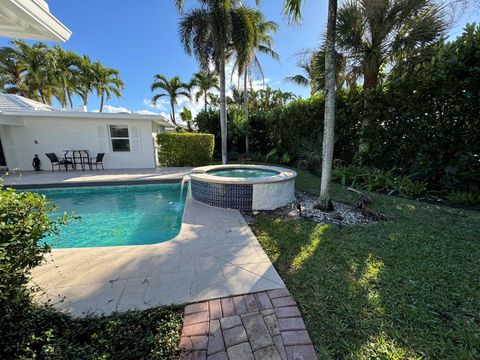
[(263, 43), (65, 65), (373, 33), (85, 83), (293, 9), (173, 88), (213, 32), (107, 82), (204, 81), (12, 72)]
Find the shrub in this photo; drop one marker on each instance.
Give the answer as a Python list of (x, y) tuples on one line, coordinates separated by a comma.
[(24, 223), (378, 180), (184, 149), (467, 198)]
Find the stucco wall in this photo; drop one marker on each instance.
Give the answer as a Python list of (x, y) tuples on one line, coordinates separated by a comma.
[(40, 135)]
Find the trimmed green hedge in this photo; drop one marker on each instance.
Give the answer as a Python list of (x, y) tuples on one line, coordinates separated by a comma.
[(184, 149)]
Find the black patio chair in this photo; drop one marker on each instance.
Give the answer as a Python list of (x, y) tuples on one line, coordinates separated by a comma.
[(55, 161), (98, 160)]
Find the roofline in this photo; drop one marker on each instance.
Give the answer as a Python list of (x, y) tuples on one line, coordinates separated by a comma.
[(88, 115), (50, 27)]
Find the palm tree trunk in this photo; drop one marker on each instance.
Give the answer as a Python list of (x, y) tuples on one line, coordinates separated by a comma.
[(172, 114), (245, 108), (223, 109), (42, 95), (369, 83), (102, 99), (206, 101), (329, 122), (70, 99)]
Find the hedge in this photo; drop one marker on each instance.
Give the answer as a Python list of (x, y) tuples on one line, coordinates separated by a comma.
[(185, 149)]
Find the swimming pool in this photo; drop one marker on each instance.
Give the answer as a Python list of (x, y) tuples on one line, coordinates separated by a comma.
[(243, 173), (117, 215)]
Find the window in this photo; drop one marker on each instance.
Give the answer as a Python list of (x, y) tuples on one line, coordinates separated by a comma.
[(119, 137)]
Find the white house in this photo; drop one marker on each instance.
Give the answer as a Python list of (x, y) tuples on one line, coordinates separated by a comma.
[(30, 19), (28, 127)]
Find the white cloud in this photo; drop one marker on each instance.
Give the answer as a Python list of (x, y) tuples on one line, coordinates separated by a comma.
[(113, 109)]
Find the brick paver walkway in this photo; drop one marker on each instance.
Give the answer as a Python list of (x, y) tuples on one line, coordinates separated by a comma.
[(259, 326)]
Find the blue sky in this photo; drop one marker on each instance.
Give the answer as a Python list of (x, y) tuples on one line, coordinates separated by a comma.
[(139, 38)]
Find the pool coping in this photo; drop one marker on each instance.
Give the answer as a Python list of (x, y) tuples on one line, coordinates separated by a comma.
[(201, 174), (89, 184)]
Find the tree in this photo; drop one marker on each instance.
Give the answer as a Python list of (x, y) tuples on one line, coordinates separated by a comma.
[(292, 8), (263, 43), (107, 82), (65, 68), (186, 116), (85, 82), (204, 81), (213, 32), (372, 33), (173, 88), (11, 72)]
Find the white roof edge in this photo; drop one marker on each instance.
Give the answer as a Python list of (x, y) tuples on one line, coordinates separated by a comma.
[(49, 26), (92, 115)]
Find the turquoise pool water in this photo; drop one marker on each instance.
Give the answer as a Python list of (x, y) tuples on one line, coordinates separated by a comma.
[(243, 173), (117, 215)]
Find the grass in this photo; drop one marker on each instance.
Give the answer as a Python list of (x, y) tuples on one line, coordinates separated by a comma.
[(408, 288)]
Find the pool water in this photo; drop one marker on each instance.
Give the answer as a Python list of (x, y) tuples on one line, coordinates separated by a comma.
[(117, 215), (243, 173)]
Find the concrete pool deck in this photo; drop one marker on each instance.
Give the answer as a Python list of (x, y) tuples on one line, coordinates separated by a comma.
[(215, 255), (25, 178)]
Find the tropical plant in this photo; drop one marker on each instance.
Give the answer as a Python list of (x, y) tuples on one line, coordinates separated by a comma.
[(213, 32), (107, 82), (65, 68), (85, 83), (186, 116), (372, 34), (204, 81), (12, 72), (172, 88)]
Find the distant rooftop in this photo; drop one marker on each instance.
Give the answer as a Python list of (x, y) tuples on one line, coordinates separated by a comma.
[(10, 102)]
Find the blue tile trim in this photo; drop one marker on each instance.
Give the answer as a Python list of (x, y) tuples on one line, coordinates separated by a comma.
[(232, 196)]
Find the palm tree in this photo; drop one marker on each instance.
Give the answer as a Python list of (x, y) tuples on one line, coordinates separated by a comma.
[(263, 43), (373, 33), (107, 82), (204, 81), (186, 116), (213, 32), (292, 8), (11, 72), (85, 83), (65, 65), (173, 88)]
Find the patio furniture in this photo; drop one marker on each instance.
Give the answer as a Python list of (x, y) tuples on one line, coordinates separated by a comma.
[(55, 161), (79, 157), (98, 160)]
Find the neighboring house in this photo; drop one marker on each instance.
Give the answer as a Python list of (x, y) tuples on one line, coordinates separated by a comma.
[(30, 19), (28, 127)]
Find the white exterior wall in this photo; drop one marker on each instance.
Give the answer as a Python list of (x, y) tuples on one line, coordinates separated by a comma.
[(40, 135)]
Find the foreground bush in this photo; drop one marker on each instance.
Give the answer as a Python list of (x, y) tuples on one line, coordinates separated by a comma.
[(183, 149), (44, 333), (23, 223)]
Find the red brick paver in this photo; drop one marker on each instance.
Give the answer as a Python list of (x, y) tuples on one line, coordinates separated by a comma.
[(264, 325)]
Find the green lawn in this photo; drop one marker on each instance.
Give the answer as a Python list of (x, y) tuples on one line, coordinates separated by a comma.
[(406, 288)]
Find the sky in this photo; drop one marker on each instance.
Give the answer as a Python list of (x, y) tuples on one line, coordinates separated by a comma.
[(140, 39)]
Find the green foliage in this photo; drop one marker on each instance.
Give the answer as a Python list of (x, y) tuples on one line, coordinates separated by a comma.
[(372, 179), (401, 289), (467, 198), (184, 149), (24, 223), (44, 333)]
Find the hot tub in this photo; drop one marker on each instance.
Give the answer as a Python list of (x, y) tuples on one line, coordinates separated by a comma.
[(243, 187)]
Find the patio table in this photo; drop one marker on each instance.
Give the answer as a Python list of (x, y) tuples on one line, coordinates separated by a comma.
[(79, 157)]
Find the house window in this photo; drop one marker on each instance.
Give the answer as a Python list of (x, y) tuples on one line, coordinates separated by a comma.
[(119, 137)]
